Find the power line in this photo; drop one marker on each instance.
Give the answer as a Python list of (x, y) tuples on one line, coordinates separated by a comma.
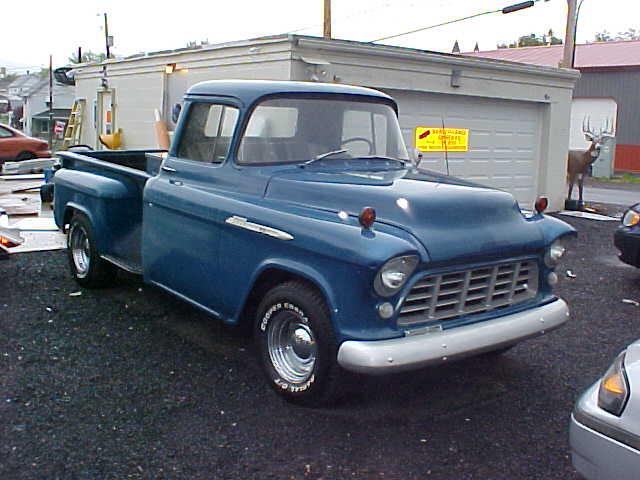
[(509, 9)]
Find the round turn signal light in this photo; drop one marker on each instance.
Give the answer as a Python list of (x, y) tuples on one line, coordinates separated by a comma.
[(367, 217)]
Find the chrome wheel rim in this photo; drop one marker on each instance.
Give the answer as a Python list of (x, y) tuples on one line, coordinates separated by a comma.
[(80, 250), (292, 347)]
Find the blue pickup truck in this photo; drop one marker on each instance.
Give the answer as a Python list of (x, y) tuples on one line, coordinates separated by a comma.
[(295, 209)]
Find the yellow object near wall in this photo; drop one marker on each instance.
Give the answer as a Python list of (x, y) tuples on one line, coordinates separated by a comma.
[(112, 141), (436, 139)]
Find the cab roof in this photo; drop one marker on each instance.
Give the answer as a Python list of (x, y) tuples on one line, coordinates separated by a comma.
[(248, 91)]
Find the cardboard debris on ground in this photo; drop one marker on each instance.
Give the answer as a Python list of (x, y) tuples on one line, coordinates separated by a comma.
[(40, 241), (588, 215), (36, 224), (26, 176), (631, 302), (20, 204), (27, 166), (27, 188)]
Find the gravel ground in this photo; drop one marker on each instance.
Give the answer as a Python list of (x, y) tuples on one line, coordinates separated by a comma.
[(131, 383)]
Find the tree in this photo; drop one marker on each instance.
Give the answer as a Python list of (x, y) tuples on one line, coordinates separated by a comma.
[(88, 57), (629, 34), (533, 40)]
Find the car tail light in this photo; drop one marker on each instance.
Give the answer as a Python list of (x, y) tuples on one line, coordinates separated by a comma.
[(7, 242), (8, 239)]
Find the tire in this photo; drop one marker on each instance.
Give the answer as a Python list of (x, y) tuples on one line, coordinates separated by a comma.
[(46, 192), (25, 156), (87, 268), (304, 370)]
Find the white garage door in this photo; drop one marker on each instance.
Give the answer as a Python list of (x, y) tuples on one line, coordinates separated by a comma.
[(504, 138)]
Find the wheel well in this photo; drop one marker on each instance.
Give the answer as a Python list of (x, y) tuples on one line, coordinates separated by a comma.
[(66, 219), (25, 154), (268, 279)]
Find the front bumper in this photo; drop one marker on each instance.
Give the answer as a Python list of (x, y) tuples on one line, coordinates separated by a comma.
[(406, 353), (628, 242)]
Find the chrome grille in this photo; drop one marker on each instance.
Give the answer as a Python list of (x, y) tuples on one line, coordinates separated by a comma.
[(450, 295)]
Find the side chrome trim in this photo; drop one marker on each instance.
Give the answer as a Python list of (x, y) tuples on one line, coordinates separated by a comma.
[(256, 227), (430, 348)]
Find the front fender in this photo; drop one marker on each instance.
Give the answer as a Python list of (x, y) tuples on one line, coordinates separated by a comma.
[(303, 270), (552, 228)]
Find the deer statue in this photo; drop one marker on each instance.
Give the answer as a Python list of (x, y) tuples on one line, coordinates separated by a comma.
[(579, 160)]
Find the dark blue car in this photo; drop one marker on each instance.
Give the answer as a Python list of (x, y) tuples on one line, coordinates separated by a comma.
[(627, 236), (294, 209)]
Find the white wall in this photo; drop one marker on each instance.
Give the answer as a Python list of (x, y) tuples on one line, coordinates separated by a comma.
[(142, 86), (393, 68)]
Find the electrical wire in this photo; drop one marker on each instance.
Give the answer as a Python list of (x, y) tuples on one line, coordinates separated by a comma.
[(449, 22)]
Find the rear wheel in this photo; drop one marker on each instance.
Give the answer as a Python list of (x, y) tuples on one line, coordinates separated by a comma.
[(297, 345), (88, 269)]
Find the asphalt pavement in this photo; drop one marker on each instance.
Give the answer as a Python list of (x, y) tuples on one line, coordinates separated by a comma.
[(614, 196), (129, 382)]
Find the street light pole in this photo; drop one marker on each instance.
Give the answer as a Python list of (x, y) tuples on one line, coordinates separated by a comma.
[(570, 34)]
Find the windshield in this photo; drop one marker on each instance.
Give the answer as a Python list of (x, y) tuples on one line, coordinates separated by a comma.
[(297, 130)]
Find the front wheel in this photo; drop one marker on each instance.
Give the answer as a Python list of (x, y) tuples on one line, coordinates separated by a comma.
[(297, 345), (88, 269)]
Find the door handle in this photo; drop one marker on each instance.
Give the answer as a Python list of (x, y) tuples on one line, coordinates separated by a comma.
[(168, 169), (177, 183)]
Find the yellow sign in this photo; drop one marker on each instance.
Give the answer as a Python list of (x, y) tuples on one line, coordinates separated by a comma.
[(434, 139)]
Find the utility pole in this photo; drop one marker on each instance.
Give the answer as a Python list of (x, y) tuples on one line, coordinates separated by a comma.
[(570, 35), (327, 19), (106, 36), (50, 102)]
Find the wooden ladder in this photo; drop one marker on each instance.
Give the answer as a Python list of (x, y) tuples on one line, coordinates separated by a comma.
[(74, 125)]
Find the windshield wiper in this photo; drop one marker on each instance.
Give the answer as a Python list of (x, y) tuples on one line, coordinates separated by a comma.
[(384, 157), (324, 155)]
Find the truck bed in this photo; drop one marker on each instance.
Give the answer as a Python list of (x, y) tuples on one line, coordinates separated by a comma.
[(128, 162), (107, 187)]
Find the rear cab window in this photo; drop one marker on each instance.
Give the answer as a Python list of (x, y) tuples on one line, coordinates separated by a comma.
[(208, 132)]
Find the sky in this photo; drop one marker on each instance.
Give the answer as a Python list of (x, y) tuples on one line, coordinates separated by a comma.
[(142, 26)]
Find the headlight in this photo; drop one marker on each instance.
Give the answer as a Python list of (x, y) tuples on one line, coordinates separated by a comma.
[(555, 252), (394, 274), (614, 388), (631, 218)]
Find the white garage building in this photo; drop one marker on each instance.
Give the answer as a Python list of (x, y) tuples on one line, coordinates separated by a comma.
[(517, 115)]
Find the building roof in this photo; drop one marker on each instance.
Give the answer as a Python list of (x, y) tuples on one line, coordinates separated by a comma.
[(58, 114), (255, 47), (624, 53)]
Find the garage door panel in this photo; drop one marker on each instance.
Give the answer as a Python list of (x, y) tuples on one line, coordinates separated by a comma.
[(504, 138)]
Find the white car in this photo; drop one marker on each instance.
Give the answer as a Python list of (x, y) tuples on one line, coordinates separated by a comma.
[(605, 425)]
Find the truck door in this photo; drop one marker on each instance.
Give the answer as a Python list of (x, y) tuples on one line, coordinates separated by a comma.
[(182, 221)]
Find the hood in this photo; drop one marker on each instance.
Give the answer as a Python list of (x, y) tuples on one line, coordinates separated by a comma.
[(453, 219)]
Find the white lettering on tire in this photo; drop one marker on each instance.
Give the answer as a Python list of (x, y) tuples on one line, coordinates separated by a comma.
[(290, 387)]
